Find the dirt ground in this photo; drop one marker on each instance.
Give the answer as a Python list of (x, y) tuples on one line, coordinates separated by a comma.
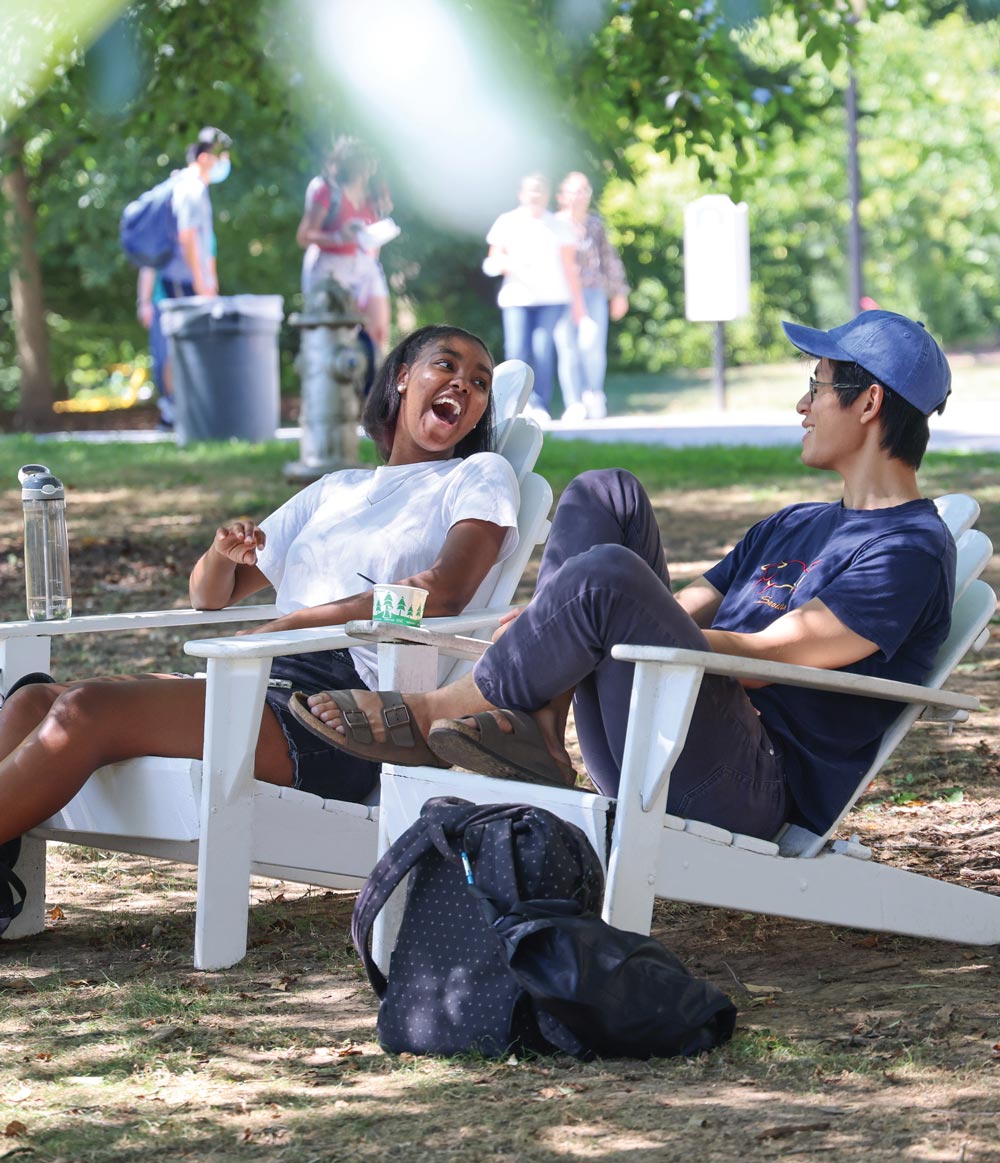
[(849, 1044)]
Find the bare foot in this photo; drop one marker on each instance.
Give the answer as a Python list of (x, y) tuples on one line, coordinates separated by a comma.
[(327, 711)]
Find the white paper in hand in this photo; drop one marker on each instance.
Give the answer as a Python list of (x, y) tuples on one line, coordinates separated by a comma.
[(377, 234)]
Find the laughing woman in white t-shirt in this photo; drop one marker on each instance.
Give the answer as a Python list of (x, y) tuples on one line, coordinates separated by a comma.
[(440, 514)]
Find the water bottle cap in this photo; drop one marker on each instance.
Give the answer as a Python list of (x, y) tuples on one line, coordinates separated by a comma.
[(38, 484)]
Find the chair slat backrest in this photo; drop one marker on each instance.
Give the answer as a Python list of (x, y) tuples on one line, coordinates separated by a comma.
[(512, 383)]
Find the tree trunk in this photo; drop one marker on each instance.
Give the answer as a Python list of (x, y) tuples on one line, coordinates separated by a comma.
[(30, 326)]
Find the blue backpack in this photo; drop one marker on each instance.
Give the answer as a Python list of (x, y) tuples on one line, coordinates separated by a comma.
[(148, 227)]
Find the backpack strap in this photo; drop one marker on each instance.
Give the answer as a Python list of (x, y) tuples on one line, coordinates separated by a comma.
[(440, 827), (336, 197), (382, 882)]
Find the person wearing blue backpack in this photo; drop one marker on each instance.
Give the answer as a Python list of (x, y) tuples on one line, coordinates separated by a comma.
[(191, 270), (168, 234)]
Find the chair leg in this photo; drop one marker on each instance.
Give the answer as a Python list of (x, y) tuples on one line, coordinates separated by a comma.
[(664, 701), (234, 706)]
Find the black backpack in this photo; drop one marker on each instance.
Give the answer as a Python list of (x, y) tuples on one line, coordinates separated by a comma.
[(500, 949)]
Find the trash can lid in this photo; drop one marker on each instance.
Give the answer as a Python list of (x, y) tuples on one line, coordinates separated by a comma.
[(174, 313)]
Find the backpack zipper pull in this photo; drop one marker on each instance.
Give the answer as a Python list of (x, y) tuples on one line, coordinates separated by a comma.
[(469, 878)]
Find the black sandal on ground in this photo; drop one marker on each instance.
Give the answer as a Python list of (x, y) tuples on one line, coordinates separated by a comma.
[(10, 883)]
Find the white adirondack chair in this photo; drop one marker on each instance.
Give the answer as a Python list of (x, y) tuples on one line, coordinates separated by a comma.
[(211, 812), (798, 874)]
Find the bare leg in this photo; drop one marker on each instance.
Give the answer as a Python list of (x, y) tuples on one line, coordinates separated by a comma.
[(52, 738), (377, 322)]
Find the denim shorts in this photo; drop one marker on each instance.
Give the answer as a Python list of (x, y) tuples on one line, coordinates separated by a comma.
[(319, 768)]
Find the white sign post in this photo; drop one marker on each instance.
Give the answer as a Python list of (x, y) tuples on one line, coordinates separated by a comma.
[(717, 270)]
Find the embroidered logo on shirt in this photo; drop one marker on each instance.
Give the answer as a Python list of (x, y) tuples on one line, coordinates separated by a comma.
[(778, 581)]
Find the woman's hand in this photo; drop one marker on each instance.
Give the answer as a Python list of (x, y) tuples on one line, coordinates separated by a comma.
[(505, 622), (239, 540)]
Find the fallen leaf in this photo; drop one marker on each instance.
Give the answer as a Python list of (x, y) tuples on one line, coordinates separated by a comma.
[(942, 1019), (164, 1034), (547, 1092), (55, 913), (761, 990), (785, 1129), (18, 985)]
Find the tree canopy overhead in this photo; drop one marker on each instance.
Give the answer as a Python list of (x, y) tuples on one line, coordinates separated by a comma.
[(98, 100)]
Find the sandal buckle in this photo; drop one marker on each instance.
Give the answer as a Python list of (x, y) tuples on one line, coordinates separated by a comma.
[(357, 723), (397, 716), (397, 722)]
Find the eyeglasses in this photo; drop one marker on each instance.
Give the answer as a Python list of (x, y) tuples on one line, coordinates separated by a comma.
[(815, 385)]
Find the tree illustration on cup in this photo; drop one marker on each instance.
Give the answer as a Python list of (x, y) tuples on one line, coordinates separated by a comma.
[(403, 605)]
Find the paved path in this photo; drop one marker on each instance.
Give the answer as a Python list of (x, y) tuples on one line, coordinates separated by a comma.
[(972, 428)]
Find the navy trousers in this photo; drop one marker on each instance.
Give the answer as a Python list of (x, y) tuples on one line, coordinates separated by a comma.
[(603, 580)]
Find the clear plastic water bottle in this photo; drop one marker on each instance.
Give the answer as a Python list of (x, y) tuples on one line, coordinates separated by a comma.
[(46, 544)]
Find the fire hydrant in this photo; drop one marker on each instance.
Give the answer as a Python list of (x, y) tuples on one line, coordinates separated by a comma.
[(331, 363)]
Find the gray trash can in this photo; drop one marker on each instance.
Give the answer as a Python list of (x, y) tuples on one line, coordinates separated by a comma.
[(224, 359)]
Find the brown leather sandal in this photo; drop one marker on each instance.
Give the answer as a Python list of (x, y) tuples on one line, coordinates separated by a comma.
[(404, 743), (476, 743)]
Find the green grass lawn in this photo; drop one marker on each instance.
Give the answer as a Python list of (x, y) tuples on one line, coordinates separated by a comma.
[(250, 476)]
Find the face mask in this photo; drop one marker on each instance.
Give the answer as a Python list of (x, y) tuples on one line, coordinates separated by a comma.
[(220, 171)]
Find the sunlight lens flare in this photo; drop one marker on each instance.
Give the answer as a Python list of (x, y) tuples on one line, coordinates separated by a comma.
[(460, 122), (38, 37)]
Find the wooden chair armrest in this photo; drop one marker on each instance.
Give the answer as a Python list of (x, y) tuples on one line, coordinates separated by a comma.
[(438, 632), (452, 644), (271, 645), (734, 666), (139, 620)]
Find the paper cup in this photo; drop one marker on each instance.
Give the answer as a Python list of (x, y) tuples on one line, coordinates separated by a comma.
[(403, 605)]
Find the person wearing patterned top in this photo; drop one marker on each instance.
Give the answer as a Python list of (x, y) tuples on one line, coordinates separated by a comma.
[(582, 348)]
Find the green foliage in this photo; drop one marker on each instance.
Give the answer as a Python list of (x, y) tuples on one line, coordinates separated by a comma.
[(930, 164), (661, 102)]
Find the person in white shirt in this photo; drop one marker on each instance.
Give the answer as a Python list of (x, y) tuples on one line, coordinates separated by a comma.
[(441, 513), (536, 254)]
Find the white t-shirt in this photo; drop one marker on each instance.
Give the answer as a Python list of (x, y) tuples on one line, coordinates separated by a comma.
[(388, 523), (536, 275), (192, 206)]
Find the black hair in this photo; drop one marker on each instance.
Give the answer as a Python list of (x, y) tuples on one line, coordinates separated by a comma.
[(210, 140), (382, 405), (904, 427), (348, 158)]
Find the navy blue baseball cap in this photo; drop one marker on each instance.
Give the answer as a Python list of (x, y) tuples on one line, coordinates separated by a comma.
[(900, 353)]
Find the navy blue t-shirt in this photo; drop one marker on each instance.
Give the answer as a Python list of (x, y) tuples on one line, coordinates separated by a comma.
[(888, 575)]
